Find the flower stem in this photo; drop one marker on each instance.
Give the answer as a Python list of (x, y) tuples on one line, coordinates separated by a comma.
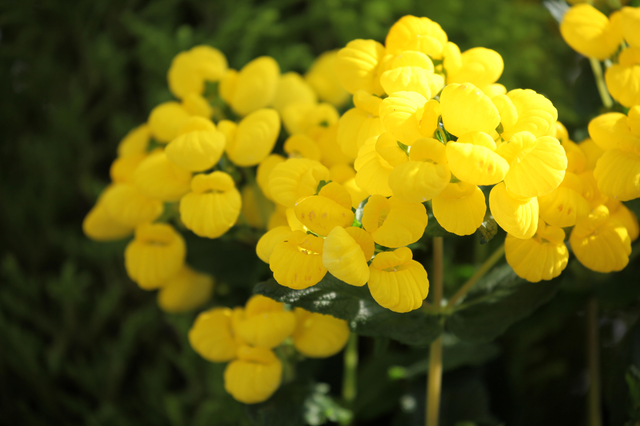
[(349, 378), (484, 268), (594, 414), (602, 87), (434, 377)]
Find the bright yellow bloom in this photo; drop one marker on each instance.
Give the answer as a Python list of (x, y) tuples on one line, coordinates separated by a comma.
[(253, 88), (268, 241), (165, 121), (356, 126), (128, 207), (302, 146), (536, 166), (592, 153), (330, 151), (613, 130), (394, 223), (189, 70), (398, 282), (304, 117), (478, 66), (322, 76), (460, 208), (618, 174), (198, 146), (620, 212), (600, 243), (525, 110), (565, 205), (576, 158), (346, 252), (372, 169), (155, 255), (135, 142), (254, 138), (516, 215), (623, 78), (419, 34), (213, 205), (254, 376), (186, 291), (330, 208), (630, 22), (344, 174), (401, 113), (264, 323), (466, 109), (292, 88), (357, 66), (122, 168), (100, 226), (294, 179), (297, 262), (212, 337), (472, 158), (410, 71), (589, 32), (318, 335), (158, 178), (264, 170), (197, 105), (542, 257)]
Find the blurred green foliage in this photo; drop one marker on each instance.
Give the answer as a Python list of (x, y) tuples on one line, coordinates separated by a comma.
[(81, 344)]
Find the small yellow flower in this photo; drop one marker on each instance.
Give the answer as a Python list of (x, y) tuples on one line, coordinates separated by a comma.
[(253, 88), (297, 262), (268, 241), (565, 205), (466, 109), (254, 376), (198, 146), (165, 121), (128, 207), (212, 337), (460, 208), (345, 254), (401, 113), (100, 226), (322, 76), (419, 34), (478, 66), (630, 22), (516, 215), (294, 179), (357, 66), (589, 32), (292, 88), (158, 178), (254, 137), (394, 223), (330, 208), (135, 142), (186, 291), (472, 158), (318, 335), (264, 323)]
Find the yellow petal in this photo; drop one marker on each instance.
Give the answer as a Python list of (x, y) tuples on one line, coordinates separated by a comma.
[(589, 32), (100, 226), (267, 242), (394, 223), (198, 147), (466, 109), (165, 121), (254, 376), (186, 291), (400, 114), (256, 85), (535, 114), (318, 335), (517, 216), (475, 163), (264, 323), (419, 34), (618, 174), (344, 257), (158, 178), (297, 262), (127, 206), (294, 179), (322, 76), (211, 335), (357, 66), (255, 138), (460, 208)]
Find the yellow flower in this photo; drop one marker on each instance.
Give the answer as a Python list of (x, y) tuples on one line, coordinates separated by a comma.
[(398, 282), (322, 76), (302, 146), (158, 178), (198, 146), (330, 208), (460, 208), (589, 32), (268, 241), (542, 257), (630, 22), (576, 157), (592, 153), (612, 130), (394, 223), (318, 335), (197, 105), (330, 151), (357, 125), (264, 323), (122, 168), (128, 207), (253, 88), (525, 110), (294, 179), (600, 243), (620, 212), (213, 205), (466, 109), (346, 252), (357, 66), (410, 71), (478, 66), (100, 226), (292, 88), (155, 255), (472, 158), (297, 262), (565, 205), (372, 168), (189, 70), (304, 117), (186, 291), (211, 335), (516, 215), (618, 174), (135, 142), (254, 138), (165, 121), (254, 376), (401, 113), (413, 33)]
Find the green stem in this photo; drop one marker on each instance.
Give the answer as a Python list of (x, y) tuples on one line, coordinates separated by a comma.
[(434, 377), (594, 414), (602, 87), (484, 268), (350, 375)]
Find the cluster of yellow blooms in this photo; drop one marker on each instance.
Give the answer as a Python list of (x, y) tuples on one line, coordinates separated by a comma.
[(429, 125), (246, 337)]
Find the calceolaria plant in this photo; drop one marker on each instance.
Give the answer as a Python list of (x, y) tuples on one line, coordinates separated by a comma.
[(345, 202)]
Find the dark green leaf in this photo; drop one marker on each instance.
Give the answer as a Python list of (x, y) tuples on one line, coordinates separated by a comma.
[(355, 305), (488, 229), (499, 300)]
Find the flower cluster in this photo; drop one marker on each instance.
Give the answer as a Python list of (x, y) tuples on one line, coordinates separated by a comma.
[(247, 337)]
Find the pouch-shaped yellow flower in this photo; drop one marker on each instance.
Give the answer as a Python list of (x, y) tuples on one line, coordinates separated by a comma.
[(165, 121), (253, 88), (135, 142), (516, 215), (472, 158), (158, 178), (618, 174), (264, 170), (330, 208), (623, 78), (630, 22), (565, 205), (322, 76), (212, 337), (460, 208), (356, 126), (292, 88), (372, 170), (264, 322), (525, 110), (198, 146), (414, 33), (600, 243), (620, 212), (409, 79), (267, 242), (398, 282), (197, 105), (478, 66), (128, 207), (424, 176), (294, 179), (589, 32), (542, 257), (612, 130), (302, 146), (536, 166), (122, 168), (401, 113), (318, 335), (213, 205), (254, 138), (186, 291), (304, 117), (346, 252), (466, 109), (297, 262), (155, 255), (394, 223), (100, 226), (357, 66), (254, 376), (189, 70), (330, 151)]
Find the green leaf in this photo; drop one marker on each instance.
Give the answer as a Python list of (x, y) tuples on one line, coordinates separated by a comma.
[(284, 408), (498, 300), (355, 305), (488, 229)]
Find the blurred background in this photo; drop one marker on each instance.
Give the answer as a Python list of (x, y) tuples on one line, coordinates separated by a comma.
[(80, 344)]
